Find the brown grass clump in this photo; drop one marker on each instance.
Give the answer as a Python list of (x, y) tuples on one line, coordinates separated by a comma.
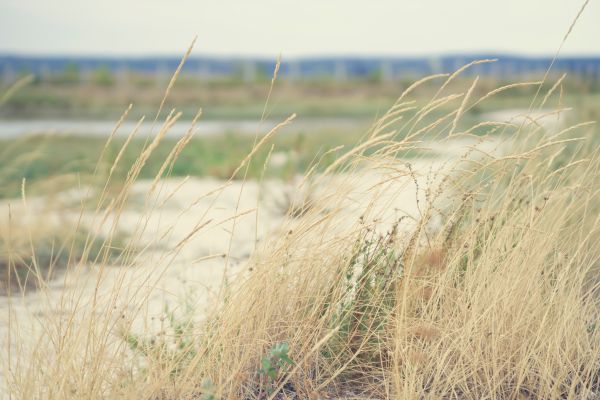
[(38, 242), (487, 289)]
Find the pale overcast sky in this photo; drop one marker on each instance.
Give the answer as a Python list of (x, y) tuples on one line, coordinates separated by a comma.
[(295, 27)]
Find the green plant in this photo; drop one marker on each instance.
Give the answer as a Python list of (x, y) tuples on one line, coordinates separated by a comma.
[(208, 390), (273, 365), (373, 271), (174, 346)]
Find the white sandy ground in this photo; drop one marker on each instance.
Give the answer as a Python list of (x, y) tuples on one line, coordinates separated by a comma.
[(232, 222)]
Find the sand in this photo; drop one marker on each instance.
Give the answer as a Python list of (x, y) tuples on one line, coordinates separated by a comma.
[(196, 232)]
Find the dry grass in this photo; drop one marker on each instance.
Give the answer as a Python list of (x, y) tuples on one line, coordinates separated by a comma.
[(497, 299)]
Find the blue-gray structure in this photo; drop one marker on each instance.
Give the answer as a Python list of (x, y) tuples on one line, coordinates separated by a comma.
[(340, 68)]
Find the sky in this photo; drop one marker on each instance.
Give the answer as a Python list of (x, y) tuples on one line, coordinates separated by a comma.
[(297, 28)]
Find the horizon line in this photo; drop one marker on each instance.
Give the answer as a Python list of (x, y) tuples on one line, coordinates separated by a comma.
[(261, 57)]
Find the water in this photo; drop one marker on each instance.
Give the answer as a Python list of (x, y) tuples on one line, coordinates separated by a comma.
[(18, 128)]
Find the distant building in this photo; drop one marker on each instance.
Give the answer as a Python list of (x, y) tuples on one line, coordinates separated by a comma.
[(338, 68)]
